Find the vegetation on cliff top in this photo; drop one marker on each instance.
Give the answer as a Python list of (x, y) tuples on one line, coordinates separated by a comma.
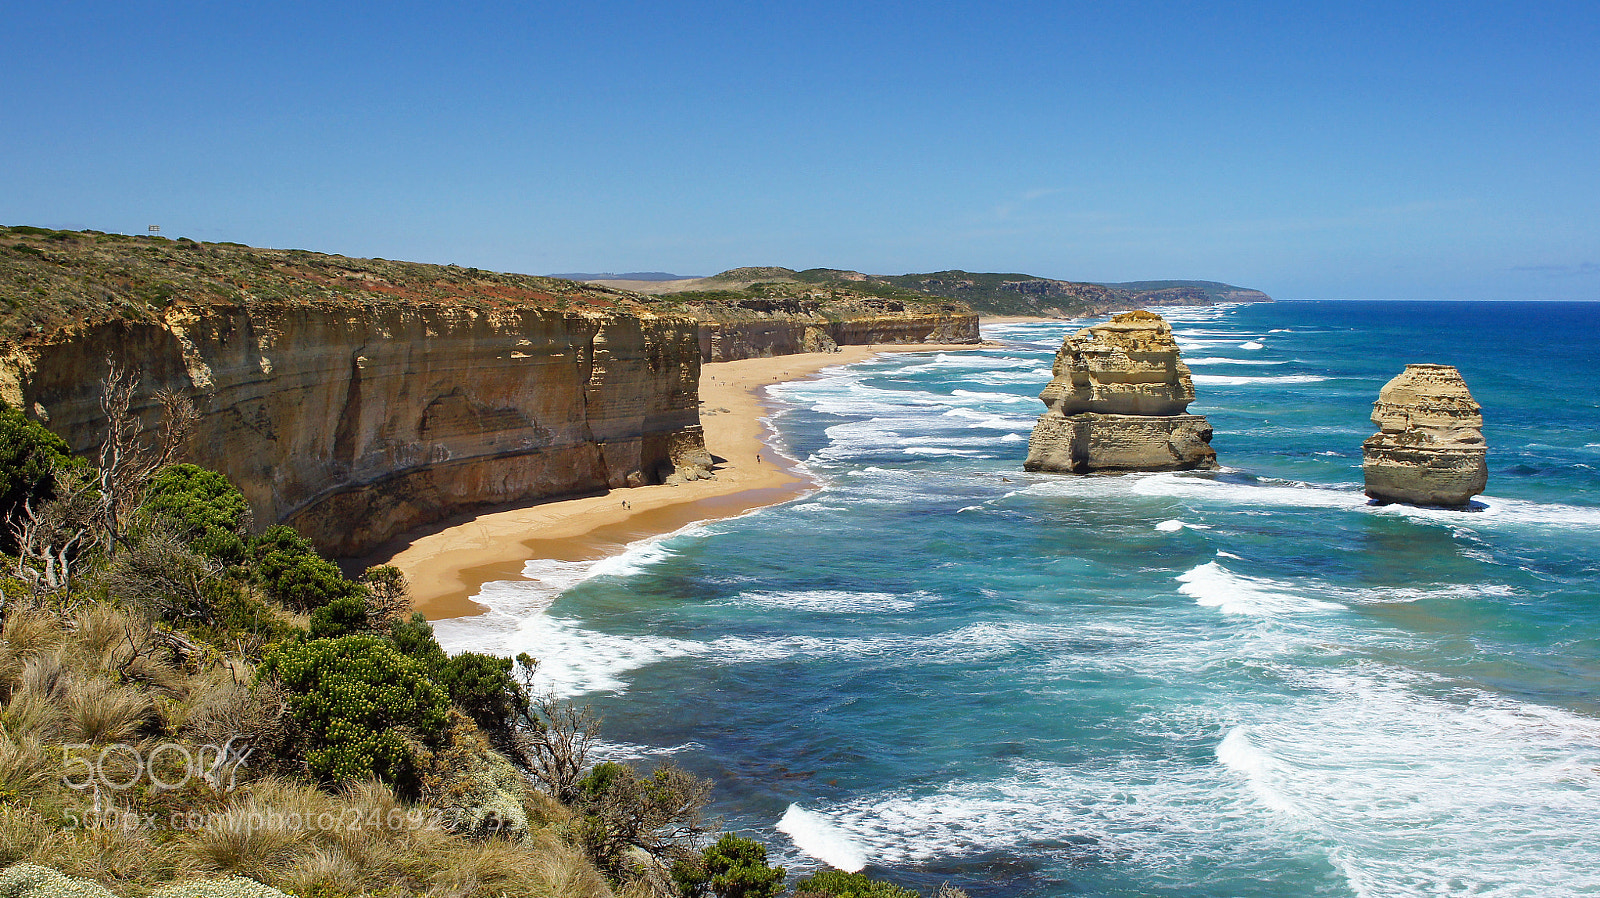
[(51, 279)]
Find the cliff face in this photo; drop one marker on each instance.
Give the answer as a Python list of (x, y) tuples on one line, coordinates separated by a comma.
[(1117, 403), (1429, 448), (757, 328), (357, 423)]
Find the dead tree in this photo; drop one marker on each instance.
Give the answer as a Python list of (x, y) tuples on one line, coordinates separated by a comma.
[(50, 536), (127, 461)]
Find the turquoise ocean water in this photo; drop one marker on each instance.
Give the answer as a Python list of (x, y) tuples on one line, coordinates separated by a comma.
[(1245, 683)]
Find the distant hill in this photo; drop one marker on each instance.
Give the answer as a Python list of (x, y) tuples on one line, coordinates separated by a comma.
[(625, 276), (1217, 291), (989, 293)]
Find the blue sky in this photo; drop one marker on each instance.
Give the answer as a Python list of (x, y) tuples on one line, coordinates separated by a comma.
[(1313, 150)]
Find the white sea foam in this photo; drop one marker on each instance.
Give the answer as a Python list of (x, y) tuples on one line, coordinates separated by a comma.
[(1419, 792), (1152, 814), (1491, 512), (606, 750), (1240, 380), (1238, 753), (1040, 376), (1261, 493), (977, 418), (936, 451), (1214, 586), (1389, 595), (1174, 525), (1214, 360), (830, 601), (1253, 344), (814, 835), (1005, 398), (1012, 438)]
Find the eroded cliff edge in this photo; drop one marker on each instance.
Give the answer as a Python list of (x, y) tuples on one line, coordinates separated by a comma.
[(356, 424), (360, 398)]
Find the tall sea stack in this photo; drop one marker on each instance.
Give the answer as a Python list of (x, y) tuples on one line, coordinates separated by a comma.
[(1117, 403), (1429, 448)]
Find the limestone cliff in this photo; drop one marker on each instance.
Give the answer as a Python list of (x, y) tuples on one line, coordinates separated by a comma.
[(769, 326), (1429, 448), (357, 422), (1117, 402), (358, 398)]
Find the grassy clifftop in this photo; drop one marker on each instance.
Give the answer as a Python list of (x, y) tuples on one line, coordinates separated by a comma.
[(50, 279)]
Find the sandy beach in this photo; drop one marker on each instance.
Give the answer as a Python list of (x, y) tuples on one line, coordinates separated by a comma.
[(448, 564)]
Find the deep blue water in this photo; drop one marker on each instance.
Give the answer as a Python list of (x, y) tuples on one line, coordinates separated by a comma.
[(1245, 683)]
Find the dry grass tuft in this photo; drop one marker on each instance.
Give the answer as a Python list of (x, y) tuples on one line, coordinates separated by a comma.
[(25, 635), (27, 767), (98, 712), (24, 834)]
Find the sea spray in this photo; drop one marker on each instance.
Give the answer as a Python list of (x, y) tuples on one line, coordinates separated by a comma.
[(820, 839)]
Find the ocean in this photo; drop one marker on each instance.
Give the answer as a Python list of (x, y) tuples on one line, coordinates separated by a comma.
[(1249, 682)]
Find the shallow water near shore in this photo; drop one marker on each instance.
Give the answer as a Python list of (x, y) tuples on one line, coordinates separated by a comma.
[(1244, 683)]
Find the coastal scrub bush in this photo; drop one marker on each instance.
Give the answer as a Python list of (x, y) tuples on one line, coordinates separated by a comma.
[(414, 638), (354, 701), (732, 867), (622, 811), (160, 573), (480, 685), (346, 616), (838, 884), (30, 456), (204, 507), (483, 687), (388, 595), (289, 568)]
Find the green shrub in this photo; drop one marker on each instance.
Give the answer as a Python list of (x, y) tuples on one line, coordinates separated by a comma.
[(345, 616), (291, 571), (354, 701), (414, 638), (29, 456), (242, 622), (388, 595), (202, 506), (483, 687), (733, 867), (838, 884), (623, 811)]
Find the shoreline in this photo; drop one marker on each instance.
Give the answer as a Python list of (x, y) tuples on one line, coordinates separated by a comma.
[(448, 563)]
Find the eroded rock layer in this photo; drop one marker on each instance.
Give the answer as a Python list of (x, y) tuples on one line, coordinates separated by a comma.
[(355, 424), (1429, 449), (760, 328), (1117, 402)]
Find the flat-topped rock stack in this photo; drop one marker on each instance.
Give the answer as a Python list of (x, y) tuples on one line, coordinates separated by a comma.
[(1118, 402), (1429, 449)]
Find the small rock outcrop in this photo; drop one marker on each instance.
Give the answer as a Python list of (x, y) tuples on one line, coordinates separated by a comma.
[(1429, 448), (1118, 402)]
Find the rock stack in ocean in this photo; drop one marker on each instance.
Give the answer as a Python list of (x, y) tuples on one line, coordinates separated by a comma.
[(1429, 447), (1117, 403)]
